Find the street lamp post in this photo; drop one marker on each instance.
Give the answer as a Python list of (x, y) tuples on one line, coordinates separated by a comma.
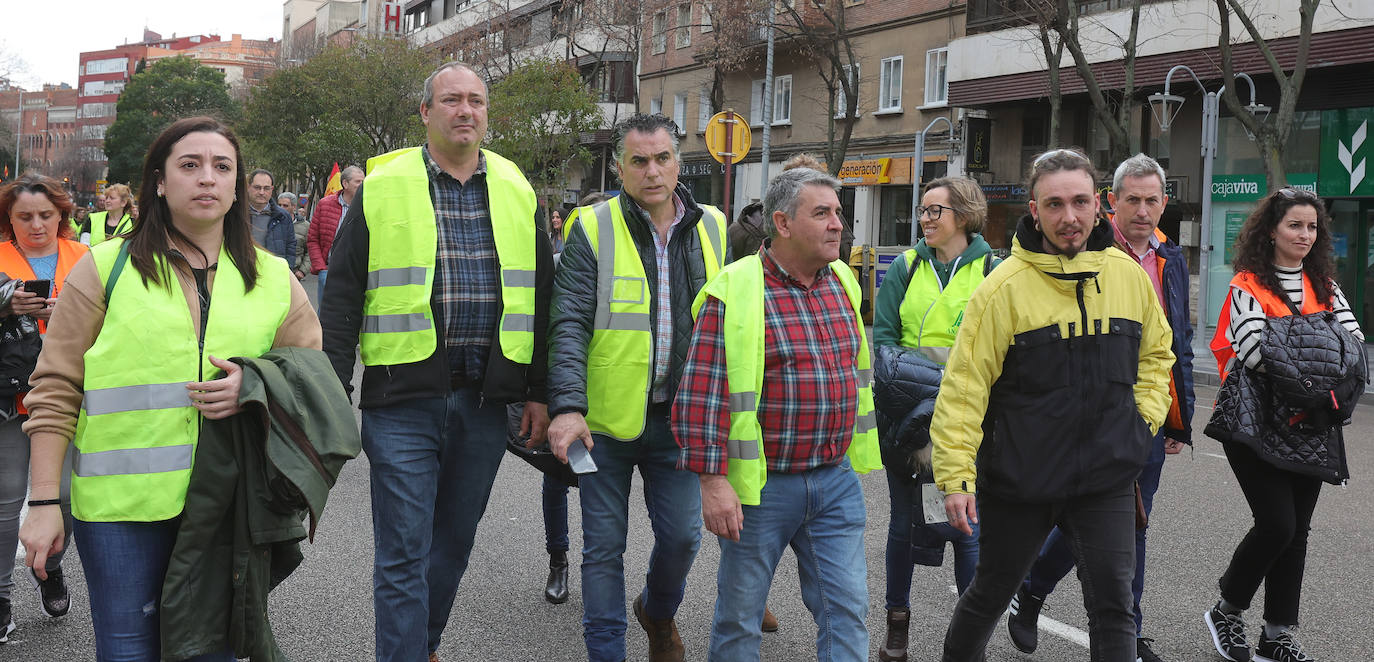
[(1165, 107), (918, 168)]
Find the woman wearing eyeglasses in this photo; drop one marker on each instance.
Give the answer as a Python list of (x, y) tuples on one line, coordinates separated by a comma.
[(920, 306), (1283, 263)]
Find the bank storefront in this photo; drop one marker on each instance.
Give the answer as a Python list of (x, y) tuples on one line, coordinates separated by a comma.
[(1330, 153)]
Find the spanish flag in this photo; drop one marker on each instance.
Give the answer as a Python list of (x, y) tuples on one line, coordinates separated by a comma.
[(334, 185)]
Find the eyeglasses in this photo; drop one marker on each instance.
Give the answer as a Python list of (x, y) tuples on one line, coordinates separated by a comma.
[(1290, 193), (933, 210)]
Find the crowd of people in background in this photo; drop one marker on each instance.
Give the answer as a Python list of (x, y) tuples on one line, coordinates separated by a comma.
[(1031, 398)]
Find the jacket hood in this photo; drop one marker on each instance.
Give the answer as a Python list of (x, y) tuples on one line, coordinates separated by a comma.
[(1029, 246), (977, 248)]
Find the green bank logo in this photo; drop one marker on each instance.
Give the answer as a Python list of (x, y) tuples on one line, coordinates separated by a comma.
[(1345, 153)]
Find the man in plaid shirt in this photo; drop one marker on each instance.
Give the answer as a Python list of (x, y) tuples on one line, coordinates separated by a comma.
[(807, 413)]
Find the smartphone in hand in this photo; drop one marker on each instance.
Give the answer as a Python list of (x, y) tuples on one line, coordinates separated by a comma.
[(41, 287)]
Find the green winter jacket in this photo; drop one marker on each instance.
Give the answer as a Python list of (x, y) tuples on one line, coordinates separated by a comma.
[(887, 315), (256, 476)]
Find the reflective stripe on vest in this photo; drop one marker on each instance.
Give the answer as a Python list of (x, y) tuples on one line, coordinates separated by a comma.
[(97, 220), (740, 287), (398, 322), (137, 431), (931, 313), (620, 354)]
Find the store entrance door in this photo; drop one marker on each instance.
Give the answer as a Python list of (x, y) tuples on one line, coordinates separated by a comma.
[(1352, 242)]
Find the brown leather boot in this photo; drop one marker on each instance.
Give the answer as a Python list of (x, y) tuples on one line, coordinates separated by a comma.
[(894, 649), (770, 622), (664, 643)]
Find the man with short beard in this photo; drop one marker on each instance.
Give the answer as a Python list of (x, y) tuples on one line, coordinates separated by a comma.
[(1056, 385)]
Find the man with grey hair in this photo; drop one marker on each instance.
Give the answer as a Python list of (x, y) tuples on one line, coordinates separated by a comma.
[(441, 273), (622, 317), (775, 415), (1138, 200), (329, 212)]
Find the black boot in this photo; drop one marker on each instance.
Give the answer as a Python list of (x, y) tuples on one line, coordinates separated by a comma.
[(894, 649), (556, 590)]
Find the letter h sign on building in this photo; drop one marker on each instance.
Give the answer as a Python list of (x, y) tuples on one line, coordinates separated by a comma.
[(1346, 153)]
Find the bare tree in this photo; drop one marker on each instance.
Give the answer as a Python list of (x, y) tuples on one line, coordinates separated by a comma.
[(1111, 108), (820, 28), (1270, 137)]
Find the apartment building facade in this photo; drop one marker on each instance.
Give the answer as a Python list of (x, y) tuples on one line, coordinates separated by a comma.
[(999, 69), (899, 66)]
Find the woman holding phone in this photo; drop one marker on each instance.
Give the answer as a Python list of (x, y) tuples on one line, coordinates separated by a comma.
[(35, 213)]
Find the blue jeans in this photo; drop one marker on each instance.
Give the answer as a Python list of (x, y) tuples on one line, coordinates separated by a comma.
[(904, 496), (820, 514), (319, 289), (1056, 560), (433, 462), (555, 497), (673, 500), (125, 563)]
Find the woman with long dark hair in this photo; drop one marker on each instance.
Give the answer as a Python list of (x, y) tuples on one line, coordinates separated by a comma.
[(1283, 262), (137, 359)]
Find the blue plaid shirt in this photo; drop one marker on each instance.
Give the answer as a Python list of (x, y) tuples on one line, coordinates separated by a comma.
[(467, 285)]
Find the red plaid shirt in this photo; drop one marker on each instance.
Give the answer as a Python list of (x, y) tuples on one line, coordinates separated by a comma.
[(810, 384)]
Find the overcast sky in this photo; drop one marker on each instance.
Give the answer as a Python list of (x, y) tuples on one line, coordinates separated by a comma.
[(49, 36)]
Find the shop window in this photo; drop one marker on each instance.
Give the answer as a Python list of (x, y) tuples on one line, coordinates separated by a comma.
[(894, 216)]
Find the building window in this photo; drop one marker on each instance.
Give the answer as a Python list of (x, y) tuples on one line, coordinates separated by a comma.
[(680, 112), (937, 83), (99, 87), (852, 72), (756, 103), (706, 10), (782, 100), (660, 35), (655, 106), (683, 37), (703, 108), (107, 66), (890, 85)]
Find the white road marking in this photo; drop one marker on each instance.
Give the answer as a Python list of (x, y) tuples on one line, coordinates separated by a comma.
[(1061, 630), (1219, 457)]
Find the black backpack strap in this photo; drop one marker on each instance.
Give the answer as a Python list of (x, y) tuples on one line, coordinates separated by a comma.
[(987, 263), (114, 273)]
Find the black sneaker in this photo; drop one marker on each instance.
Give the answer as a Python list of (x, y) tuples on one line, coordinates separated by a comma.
[(1023, 620), (52, 593), (1143, 652), (1228, 634), (6, 621), (1283, 648)]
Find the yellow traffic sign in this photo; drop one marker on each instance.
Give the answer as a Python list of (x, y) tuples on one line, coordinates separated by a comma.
[(732, 126)]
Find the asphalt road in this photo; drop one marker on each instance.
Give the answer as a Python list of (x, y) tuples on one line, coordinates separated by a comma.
[(324, 611)]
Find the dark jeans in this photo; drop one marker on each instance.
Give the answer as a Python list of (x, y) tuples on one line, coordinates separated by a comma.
[(433, 462), (555, 496), (1100, 529), (904, 496), (125, 564), (1056, 560), (1275, 549)]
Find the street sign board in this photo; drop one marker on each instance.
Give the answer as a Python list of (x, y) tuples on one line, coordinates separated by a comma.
[(1346, 153), (732, 124)]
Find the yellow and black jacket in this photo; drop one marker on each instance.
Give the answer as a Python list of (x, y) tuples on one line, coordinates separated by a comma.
[(1059, 377)]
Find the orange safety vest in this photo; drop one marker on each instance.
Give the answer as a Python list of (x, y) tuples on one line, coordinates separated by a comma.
[(14, 265), (1273, 305)]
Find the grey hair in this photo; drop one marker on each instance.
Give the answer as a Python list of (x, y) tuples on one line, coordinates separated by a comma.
[(349, 172), (642, 123), (1139, 165), (784, 193), (428, 99), (288, 195)]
